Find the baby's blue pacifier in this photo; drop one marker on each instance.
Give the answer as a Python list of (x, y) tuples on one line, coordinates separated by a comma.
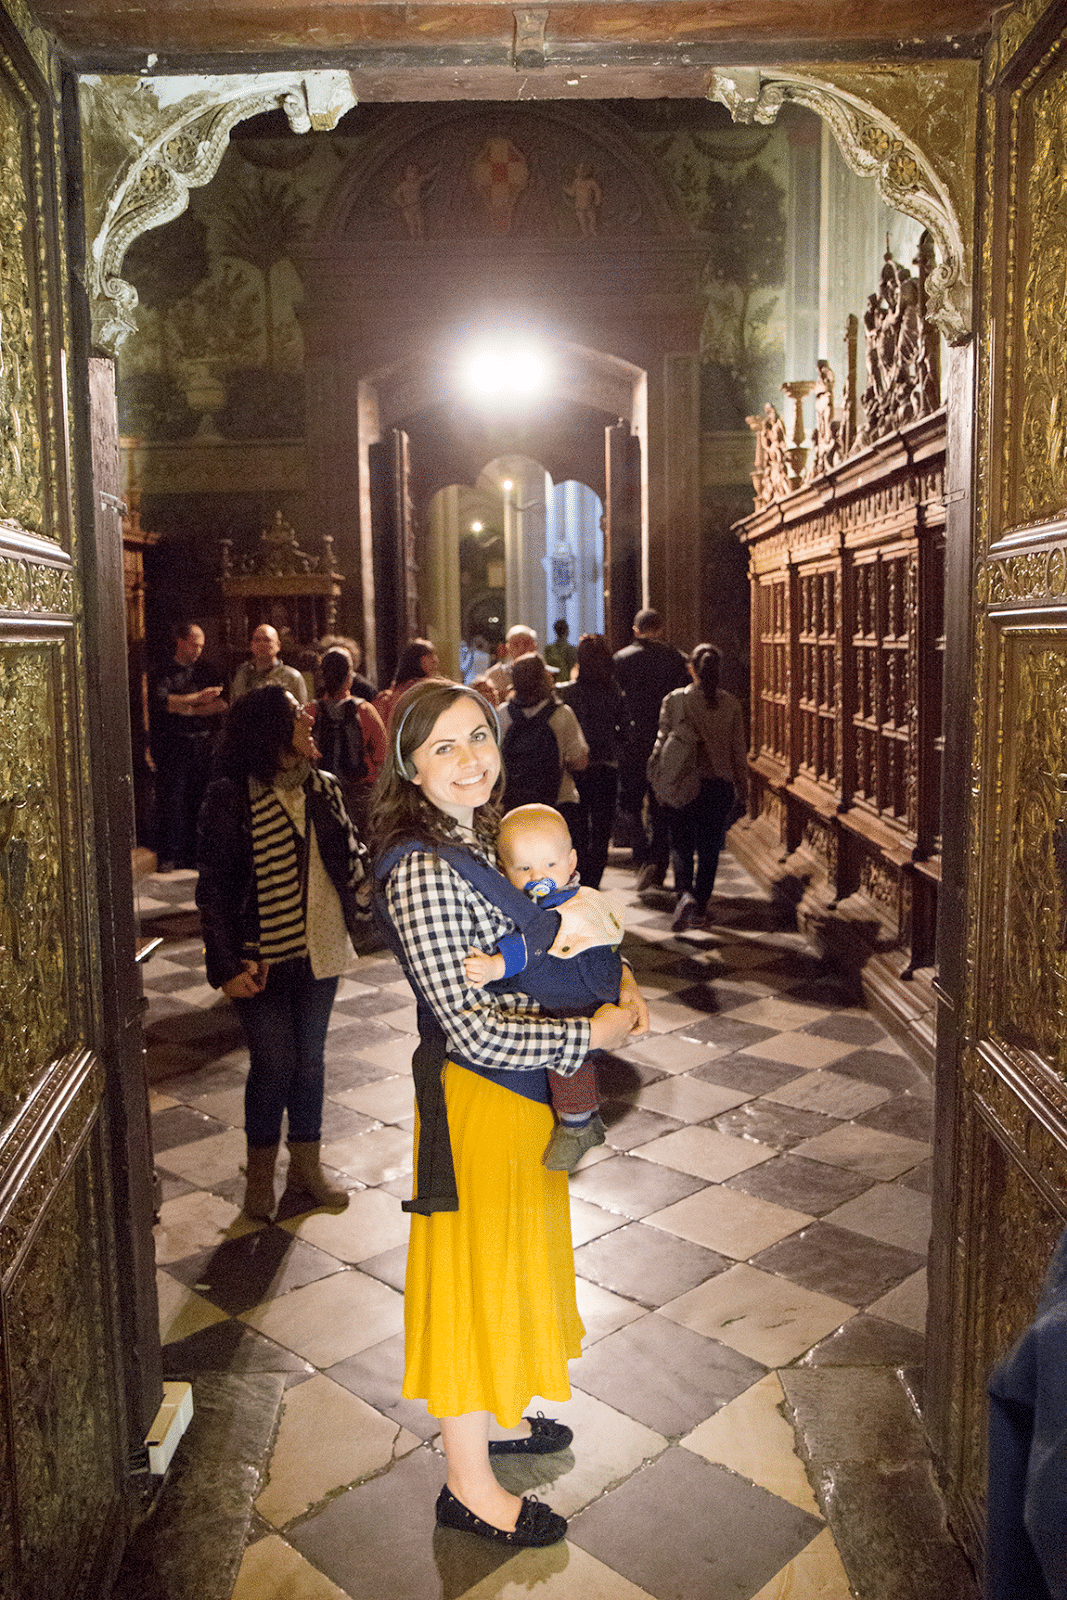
[(540, 888)]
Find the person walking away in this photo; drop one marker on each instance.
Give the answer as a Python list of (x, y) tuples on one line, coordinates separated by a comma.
[(597, 702), (645, 671), (267, 667), (418, 659), (280, 866), (490, 1315), (533, 718), (185, 711), (350, 735), (714, 721), (561, 655)]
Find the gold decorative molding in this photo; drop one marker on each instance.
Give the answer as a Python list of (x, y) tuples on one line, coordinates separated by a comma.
[(35, 976), (68, 1105), (865, 110), (1014, 30), (21, 448), (1030, 576), (35, 587), (148, 141), (1041, 361)]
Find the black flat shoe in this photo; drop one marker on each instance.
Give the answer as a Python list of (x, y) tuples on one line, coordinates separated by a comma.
[(546, 1436), (537, 1524)]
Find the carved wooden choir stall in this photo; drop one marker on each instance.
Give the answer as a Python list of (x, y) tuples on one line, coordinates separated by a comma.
[(282, 585), (847, 574)]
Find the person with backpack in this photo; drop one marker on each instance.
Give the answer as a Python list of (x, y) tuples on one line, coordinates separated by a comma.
[(543, 744), (349, 733), (699, 772), (597, 702)]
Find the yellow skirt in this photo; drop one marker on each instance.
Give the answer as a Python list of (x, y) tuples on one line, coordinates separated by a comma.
[(490, 1318)]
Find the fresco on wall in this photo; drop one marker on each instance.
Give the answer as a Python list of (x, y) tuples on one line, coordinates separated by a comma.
[(219, 351)]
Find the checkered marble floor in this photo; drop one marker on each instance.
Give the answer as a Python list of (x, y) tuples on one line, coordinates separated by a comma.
[(750, 1245)]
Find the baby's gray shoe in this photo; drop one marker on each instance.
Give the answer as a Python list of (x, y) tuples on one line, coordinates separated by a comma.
[(568, 1145)]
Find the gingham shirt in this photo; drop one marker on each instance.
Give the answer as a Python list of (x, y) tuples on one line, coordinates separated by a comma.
[(440, 918)]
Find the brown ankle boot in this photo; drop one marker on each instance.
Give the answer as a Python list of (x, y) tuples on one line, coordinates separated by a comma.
[(259, 1187), (306, 1174)]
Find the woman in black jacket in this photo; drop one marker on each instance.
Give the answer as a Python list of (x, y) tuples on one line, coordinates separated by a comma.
[(279, 865), (596, 701)]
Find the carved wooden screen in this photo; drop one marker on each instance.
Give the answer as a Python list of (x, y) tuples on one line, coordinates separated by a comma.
[(817, 681), (881, 675), (771, 732), (1001, 1180)]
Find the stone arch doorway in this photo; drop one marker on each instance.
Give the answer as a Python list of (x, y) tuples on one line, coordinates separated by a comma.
[(413, 434)]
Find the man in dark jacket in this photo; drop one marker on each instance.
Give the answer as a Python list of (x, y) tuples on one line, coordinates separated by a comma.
[(645, 671), (185, 708)]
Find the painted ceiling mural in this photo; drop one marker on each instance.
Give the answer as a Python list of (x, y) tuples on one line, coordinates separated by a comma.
[(219, 354)]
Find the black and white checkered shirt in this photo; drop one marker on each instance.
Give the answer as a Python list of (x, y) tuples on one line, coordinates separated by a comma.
[(440, 918)]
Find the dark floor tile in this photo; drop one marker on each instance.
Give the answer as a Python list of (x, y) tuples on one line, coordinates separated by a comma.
[(390, 1267), (372, 1005), (341, 1122), (713, 998), (867, 1341), (172, 1187), (166, 1061), (729, 1033), (811, 1186), (371, 1553), (663, 1374), (628, 1126), (887, 1069), (377, 1376), (620, 1077), (347, 1069), (646, 1265), (853, 1414), (848, 1030), (770, 1123), (910, 1115), (890, 1526), (691, 967), (194, 1539), (632, 1187), (186, 953), (746, 1072), (920, 1178), (259, 1266), (229, 1347), (663, 1529), (836, 1262), (217, 1026), (360, 1033), (208, 1078), (182, 1125)]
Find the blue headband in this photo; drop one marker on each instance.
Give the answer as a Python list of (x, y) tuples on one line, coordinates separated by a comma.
[(491, 718)]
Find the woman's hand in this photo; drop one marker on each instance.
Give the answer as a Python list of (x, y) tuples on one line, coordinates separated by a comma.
[(247, 984), (610, 1026), (631, 996)]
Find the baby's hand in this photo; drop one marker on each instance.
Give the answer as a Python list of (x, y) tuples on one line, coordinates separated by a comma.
[(482, 969)]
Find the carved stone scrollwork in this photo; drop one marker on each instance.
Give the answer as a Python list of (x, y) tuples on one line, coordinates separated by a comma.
[(176, 130), (874, 147)]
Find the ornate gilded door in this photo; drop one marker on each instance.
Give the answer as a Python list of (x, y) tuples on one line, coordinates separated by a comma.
[(1001, 1195), (79, 1370)]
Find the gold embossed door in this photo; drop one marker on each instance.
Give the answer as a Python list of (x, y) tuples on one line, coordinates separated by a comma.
[(1001, 1183), (79, 1369)]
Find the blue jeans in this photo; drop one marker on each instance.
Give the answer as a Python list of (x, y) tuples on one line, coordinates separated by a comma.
[(285, 1027), (700, 827)]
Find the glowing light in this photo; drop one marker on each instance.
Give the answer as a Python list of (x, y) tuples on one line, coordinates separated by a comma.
[(507, 486), (476, 527), (506, 371)]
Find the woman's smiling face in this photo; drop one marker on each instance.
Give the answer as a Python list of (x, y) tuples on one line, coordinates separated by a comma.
[(457, 766)]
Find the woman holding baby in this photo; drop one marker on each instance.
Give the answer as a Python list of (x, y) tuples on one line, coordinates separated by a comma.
[(490, 1312)]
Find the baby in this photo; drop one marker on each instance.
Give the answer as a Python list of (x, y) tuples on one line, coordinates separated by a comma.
[(581, 972)]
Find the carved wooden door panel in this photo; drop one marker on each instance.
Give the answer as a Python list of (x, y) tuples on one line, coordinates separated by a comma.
[(622, 534), (1001, 1185), (73, 1141)]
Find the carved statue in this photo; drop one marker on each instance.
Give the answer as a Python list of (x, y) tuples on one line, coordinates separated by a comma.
[(825, 446), (585, 194), (409, 194), (776, 483), (903, 379)]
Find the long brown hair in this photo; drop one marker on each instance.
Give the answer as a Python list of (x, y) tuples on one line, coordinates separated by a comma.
[(400, 812)]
